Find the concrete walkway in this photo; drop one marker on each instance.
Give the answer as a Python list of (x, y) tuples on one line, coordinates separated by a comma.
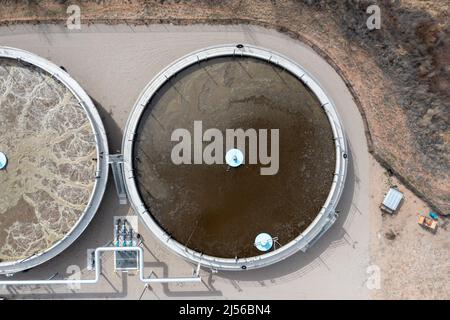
[(113, 64)]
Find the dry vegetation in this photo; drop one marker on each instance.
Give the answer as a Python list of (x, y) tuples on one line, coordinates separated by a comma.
[(399, 75)]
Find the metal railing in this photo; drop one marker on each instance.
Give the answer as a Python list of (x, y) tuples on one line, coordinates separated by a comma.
[(98, 253)]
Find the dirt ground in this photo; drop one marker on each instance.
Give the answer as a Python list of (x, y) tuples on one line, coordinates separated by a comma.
[(414, 262), (334, 268), (399, 77)]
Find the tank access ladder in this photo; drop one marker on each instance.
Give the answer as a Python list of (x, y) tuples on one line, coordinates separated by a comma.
[(116, 162)]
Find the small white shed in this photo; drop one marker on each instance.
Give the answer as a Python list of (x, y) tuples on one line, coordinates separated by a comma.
[(392, 200)]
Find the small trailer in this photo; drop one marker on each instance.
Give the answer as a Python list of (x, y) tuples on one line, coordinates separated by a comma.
[(392, 201), (427, 222)]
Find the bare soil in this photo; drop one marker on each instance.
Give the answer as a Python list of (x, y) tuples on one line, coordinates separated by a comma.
[(399, 75), (414, 264), (413, 261)]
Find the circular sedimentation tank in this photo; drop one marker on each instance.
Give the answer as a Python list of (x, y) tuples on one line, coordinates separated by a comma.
[(56, 151), (212, 213)]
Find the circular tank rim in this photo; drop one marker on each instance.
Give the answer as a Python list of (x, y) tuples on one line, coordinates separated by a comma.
[(326, 216), (102, 169)]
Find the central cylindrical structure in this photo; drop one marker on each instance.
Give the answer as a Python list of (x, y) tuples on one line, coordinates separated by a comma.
[(288, 183)]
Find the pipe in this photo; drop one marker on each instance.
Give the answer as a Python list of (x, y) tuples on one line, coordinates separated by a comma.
[(98, 252), (117, 233)]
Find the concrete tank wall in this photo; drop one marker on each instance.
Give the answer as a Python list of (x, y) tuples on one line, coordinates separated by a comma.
[(101, 173), (325, 217)]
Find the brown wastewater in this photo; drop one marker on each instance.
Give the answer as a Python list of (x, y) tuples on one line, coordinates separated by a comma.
[(216, 210)]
